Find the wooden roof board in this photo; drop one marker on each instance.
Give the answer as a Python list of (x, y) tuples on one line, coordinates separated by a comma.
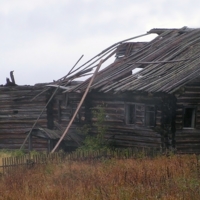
[(54, 134), (46, 133)]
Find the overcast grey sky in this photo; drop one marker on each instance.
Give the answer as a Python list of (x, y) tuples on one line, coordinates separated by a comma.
[(42, 39)]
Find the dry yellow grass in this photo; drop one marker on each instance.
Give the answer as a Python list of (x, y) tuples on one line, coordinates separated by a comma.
[(4, 154), (166, 178)]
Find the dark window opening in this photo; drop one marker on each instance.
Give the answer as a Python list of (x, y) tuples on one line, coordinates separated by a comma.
[(189, 117), (15, 111), (140, 114), (150, 116), (130, 114), (77, 117)]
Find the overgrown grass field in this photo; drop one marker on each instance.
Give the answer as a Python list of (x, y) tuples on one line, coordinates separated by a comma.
[(167, 178)]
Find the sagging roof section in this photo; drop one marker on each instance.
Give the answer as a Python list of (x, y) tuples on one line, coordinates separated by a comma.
[(169, 61), (128, 48), (54, 134)]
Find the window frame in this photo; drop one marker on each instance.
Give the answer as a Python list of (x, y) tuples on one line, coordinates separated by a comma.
[(127, 114), (154, 117), (77, 119), (193, 121)]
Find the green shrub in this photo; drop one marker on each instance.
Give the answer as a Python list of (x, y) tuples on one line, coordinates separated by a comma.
[(95, 142)]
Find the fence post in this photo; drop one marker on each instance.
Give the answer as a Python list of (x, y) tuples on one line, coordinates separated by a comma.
[(3, 163)]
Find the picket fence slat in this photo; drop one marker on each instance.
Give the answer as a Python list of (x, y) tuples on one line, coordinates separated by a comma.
[(9, 164)]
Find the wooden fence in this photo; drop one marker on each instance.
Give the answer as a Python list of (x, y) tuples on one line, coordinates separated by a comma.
[(28, 161)]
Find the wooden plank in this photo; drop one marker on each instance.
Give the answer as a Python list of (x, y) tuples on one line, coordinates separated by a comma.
[(137, 139)]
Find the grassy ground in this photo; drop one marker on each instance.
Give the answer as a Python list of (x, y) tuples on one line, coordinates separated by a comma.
[(167, 178)]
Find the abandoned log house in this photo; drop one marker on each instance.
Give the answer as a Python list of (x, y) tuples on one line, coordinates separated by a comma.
[(157, 107)]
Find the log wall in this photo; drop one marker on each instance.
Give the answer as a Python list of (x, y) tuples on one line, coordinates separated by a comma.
[(63, 109), (188, 139), (18, 114), (118, 132)]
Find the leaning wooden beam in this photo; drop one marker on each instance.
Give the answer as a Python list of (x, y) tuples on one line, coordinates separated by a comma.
[(46, 89), (80, 104), (77, 75), (91, 63), (71, 69), (60, 128), (58, 79), (61, 87), (106, 51), (82, 100), (45, 107), (124, 41)]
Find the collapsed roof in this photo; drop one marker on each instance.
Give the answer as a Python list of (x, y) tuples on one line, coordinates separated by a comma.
[(168, 62)]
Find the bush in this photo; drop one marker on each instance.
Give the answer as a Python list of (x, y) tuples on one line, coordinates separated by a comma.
[(95, 142)]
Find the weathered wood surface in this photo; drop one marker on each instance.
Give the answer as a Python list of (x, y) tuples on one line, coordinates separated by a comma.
[(118, 132), (63, 109), (18, 113), (188, 139)]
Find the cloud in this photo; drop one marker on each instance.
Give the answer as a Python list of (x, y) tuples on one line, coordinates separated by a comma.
[(42, 39), (19, 6)]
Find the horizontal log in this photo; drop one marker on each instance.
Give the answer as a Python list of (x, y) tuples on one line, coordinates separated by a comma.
[(21, 106), (188, 146), (179, 110), (179, 127), (188, 151), (179, 116), (121, 97), (140, 133), (132, 127), (135, 144), (12, 146), (192, 94), (188, 101), (187, 141), (22, 121), (186, 131), (22, 116), (112, 110), (136, 138), (14, 131), (15, 126), (37, 145), (12, 136), (22, 110), (20, 141), (109, 120), (180, 121)]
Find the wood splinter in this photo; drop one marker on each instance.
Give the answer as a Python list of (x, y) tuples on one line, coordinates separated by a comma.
[(12, 82)]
